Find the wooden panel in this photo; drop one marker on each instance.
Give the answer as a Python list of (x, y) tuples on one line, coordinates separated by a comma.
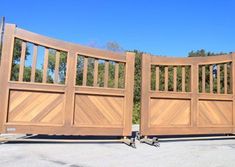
[(176, 112), (36, 107), (215, 113), (93, 111)]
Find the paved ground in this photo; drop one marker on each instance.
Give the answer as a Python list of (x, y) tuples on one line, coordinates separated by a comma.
[(212, 153)]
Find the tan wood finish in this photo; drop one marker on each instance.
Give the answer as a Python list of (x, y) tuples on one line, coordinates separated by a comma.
[(171, 112), (56, 108)]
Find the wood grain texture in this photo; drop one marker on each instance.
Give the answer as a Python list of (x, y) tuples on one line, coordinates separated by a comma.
[(176, 112), (180, 113), (50, 108), (92, 111), (215, 113), (36, 107)]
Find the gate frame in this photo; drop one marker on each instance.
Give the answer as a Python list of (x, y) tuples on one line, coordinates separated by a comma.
[(194, 96), (12, 32)]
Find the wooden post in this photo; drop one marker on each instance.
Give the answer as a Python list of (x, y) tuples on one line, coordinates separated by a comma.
[(129, 86), (5, 71), (70, 89), (145, 88), (194, 90)]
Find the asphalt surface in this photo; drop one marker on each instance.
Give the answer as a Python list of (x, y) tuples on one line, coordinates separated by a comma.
[(206, 153)]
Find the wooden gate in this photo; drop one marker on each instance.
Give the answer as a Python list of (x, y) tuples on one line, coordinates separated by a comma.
[(54, 87), (187, 95)]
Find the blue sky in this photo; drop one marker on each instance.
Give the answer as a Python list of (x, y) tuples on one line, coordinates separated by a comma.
[(160, 27)]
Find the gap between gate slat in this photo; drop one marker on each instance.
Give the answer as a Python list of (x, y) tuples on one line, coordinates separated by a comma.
[(175, 78), (84, 80), (57, 64), (218, 79), (183, 79), (106, 73), (203, 79), (22, 61), (95, 81), (45, 66), (211, 78), (225, 79), (116, 74), (166, 78), (34, 62), (157, 78)]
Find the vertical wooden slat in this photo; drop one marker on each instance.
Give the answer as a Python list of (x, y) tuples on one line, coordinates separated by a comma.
[(175, 78), (218, 79), (22, 61), (225, 79), (211, 78), (34, 63), (45, 66), (183, 78), (106, 73), (57, 65), (116, 75), (84, 80), (166, 78), (96, 64), (203, 79), (157, 78)]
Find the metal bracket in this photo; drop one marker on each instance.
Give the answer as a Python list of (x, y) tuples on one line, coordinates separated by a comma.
[(129, 141), (151, 141)]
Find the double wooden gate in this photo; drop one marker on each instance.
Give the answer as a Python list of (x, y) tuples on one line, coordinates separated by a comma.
[(54, 87), (188, 95), (49, 86)]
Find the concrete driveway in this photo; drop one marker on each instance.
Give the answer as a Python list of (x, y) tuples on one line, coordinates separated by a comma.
[(206, 153)]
